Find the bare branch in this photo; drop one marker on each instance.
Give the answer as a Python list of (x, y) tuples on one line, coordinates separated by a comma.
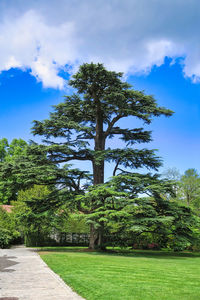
[(116, 167), (112, 123)]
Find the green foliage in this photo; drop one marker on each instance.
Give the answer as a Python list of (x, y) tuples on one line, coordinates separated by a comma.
[(16, 148), (186, 188), (5, 238), (78, 129), (10, 181), (86, 120), (190, 188), (3, 149), (102, 98), (8, 232), (34, 167), (126, 214), (39, 228), (34, 226), (71, 223)]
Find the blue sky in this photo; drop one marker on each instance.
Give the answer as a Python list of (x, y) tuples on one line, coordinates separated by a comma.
[(177, 138), (42, 45)]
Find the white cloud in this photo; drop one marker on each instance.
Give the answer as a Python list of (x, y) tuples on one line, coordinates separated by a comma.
[(130, 36), (29, 43)]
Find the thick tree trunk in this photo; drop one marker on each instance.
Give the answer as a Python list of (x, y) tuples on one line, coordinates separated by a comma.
[(98, 173), (98, 169), (93, 238), (96, 238), (100, 242), (96, 235)]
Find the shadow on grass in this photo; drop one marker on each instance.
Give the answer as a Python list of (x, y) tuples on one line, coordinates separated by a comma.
[(124, 252)]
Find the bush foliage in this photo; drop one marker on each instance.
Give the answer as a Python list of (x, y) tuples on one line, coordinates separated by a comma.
[(8, 232)]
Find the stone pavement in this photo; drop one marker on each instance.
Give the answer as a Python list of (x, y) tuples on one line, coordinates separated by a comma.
[(24, 276)]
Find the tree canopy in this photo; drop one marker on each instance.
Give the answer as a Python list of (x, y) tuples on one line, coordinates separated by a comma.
[(79, 127), (9, 153)]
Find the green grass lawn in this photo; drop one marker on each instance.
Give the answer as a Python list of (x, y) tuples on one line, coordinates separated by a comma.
[(127, 275)]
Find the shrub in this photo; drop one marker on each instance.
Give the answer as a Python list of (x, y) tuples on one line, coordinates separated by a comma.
[(153, 246), (8, 233), (5, 238), (177, 243)]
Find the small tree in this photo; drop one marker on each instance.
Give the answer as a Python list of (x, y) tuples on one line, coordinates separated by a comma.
[(190, 188), (35, 227), (8, 231), (10, 183)]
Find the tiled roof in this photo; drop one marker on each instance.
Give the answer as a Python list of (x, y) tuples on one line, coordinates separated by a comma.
[(8, 208)]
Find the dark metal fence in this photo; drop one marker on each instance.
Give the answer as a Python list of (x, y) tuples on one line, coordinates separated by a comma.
[(65, 239)]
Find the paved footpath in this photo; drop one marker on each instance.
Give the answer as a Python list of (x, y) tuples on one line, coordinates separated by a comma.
[(24, 276)]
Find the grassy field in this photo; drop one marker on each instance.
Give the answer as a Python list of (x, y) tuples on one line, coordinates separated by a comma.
[(135, 275)]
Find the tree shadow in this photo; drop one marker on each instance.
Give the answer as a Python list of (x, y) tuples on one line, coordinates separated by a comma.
[(6, 262), (9, 298), (127, 253), (150, 254)]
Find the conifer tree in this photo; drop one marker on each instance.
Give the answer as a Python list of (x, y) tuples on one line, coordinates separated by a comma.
[(79, 127)]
